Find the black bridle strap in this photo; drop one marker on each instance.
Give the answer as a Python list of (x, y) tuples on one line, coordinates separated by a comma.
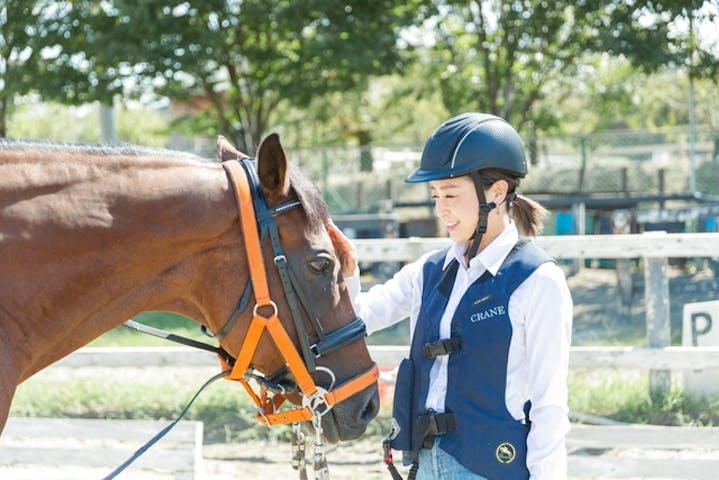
[(296, 288), (283, 269), (188, 342), (293, 292), (241, 306), (341, 337)]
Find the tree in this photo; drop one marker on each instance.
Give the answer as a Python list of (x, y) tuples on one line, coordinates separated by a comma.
[(244, 57), (46, 50), (499, 57), (506, 57), (18, 53), (653, 35)]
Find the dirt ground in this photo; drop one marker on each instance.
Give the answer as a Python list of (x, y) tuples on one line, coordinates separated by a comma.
[(359, 459)]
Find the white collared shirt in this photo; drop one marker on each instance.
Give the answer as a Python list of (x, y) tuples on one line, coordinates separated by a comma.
[(540, 311)]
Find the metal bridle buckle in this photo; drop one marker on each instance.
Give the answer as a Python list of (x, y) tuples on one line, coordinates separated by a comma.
[(317, 403), (271, 304)]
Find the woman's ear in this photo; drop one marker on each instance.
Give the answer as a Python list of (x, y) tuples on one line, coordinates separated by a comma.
[(499, 191)]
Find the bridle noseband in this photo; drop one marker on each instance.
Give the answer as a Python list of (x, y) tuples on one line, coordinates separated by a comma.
[(316, 401)]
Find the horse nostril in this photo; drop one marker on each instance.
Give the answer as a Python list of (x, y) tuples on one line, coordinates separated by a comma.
[(371, 408)]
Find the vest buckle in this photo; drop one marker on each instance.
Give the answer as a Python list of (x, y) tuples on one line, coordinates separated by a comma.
[(442, 347), (432, 424)]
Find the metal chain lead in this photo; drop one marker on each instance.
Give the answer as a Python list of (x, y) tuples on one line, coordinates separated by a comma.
[(319, 464), (298, 451)]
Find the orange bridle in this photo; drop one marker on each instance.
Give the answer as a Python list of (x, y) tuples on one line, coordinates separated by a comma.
[(316, 401)]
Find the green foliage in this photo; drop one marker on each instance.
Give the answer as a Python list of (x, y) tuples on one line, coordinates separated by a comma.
[(368, 72), (52, 121), (654, 34), (502, 57), (61, 123), (245, 58), (229, 416), (520, 60), (125, 337), (19, 52), (624, 397), (224, 407)]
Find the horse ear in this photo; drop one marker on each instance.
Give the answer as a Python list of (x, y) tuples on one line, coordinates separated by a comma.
[(272, 166), (225, 150)]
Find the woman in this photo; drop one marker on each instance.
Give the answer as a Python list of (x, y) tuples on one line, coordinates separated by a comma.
[(483, 393)]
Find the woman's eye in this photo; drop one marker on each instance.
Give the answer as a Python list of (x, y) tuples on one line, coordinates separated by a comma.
[(320, 264)]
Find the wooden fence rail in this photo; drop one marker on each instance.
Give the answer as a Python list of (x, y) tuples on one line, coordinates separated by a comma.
[(643, 451), (668, 358), (655, 248), (646, 245)]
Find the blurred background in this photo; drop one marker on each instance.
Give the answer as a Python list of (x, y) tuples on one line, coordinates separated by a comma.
[(617, 102)]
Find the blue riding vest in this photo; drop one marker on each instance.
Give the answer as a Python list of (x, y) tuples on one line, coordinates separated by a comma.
[(487, 440)]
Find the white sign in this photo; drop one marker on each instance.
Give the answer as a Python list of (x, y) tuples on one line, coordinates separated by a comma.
[(700, 328), (700, 324)]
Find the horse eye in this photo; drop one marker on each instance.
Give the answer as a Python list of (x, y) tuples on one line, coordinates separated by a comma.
[(320, 264)]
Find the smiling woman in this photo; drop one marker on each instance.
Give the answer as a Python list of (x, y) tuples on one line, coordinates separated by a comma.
[(91, 236), (483, 393)]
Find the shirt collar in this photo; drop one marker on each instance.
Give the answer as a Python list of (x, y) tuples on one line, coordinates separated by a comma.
[(493, 255)]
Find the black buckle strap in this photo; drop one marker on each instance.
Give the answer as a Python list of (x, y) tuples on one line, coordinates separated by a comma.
[(431, 424), (337, 339), (442, 347)]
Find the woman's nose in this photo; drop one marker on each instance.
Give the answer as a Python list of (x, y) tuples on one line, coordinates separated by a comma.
[(440, 208)]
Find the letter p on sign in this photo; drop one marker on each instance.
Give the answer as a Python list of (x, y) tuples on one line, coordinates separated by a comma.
[(698, 324), (700, 329)]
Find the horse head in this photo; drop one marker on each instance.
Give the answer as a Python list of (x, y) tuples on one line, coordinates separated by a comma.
[(312, 302)]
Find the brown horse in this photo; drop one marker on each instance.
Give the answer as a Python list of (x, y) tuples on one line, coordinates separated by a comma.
[(91, 236)]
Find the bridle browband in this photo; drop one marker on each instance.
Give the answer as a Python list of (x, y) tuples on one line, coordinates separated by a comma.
[(258, 223)]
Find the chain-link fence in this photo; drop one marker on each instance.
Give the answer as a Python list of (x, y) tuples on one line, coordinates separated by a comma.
[(636, 163)]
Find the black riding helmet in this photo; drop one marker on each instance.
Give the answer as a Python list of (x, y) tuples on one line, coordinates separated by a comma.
[(470, 142), (466, 144)]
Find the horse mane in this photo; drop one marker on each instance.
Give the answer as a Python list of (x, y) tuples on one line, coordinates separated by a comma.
[(311, 198), (124, 149)]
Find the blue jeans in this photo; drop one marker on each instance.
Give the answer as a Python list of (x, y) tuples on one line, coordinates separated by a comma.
[(436, 464)]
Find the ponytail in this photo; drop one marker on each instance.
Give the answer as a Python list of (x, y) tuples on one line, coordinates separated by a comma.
[(529, 215)]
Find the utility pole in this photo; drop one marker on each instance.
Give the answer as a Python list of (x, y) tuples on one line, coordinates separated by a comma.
[(692, 128), (107, 124)]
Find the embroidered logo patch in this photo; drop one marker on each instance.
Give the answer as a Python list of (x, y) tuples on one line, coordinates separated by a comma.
[(482, 299), (505, 452)]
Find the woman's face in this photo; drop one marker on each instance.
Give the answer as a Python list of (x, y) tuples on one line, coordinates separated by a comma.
[(457, 206)]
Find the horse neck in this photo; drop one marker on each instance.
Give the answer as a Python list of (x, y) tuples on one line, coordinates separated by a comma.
[(89, 243)]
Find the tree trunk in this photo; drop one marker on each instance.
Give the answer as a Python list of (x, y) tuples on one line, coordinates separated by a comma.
[(365, 138), (3, 116)]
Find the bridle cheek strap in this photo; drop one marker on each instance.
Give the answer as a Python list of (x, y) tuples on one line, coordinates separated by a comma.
[(271, 323)]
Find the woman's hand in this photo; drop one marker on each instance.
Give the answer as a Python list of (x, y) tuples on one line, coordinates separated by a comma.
[(344, 249)]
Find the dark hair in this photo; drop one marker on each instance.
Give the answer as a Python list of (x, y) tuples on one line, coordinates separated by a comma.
[(528, 214)]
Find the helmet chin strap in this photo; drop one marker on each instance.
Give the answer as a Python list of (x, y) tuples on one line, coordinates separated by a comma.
[(484, 209)]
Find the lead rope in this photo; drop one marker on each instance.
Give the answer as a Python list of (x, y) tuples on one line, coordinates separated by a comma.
[(389, 458), (162, 432)]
